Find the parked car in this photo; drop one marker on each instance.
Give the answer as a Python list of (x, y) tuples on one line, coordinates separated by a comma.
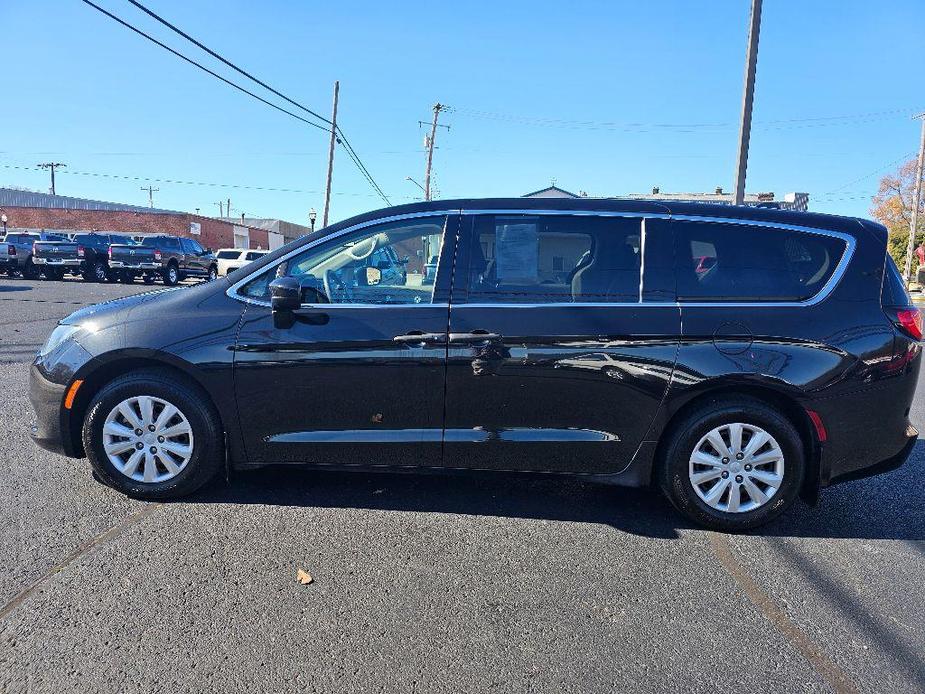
[(85, 254), (734, 389), (16, 252), (172, 258), (229, 259)]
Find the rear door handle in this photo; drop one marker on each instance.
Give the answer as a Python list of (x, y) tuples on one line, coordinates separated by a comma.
[(418, 337), (475, 337)]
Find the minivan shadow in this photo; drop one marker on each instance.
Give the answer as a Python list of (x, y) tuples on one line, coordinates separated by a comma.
[(890, 506)]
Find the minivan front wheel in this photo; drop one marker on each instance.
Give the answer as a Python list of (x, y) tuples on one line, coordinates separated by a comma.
[(153, 436), (733, 464)]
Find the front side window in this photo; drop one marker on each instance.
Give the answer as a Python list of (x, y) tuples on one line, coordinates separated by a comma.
[(554, 259), (728, 262), (382, 264)]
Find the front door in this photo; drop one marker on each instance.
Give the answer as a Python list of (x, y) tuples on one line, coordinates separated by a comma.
[(359, 378), (558, 356)]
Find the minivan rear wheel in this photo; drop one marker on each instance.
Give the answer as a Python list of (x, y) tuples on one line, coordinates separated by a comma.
[(733, 464), (153, 436)]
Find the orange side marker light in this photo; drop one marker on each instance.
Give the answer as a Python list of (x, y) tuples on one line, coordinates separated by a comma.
[(71, 394)]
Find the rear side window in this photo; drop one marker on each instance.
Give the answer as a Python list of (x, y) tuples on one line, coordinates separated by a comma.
[(894, 289), (228, 255), (554, 259), (719, 262)]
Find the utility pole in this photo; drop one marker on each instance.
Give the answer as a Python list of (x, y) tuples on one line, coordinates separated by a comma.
[(151, 192), (51, 165), (430, 150), (221, 210), (916, 200), (748, 98), (228, 208), (327, 186)]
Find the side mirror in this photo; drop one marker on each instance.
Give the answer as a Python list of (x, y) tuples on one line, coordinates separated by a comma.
[(285, 294)]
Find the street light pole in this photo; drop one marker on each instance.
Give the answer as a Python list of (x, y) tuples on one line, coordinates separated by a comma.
[(916, 200), (748, 98)]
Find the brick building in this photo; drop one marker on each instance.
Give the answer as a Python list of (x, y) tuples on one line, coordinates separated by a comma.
[(40, 211)]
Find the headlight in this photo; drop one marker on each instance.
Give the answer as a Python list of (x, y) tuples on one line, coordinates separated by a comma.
[(58, 335)]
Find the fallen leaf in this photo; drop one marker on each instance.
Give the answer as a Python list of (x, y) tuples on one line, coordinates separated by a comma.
[(303, 577)]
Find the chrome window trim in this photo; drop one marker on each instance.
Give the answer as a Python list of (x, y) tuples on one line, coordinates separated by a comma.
[(821, 295)]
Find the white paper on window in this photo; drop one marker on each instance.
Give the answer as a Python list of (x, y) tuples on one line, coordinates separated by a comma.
[(517, 253)]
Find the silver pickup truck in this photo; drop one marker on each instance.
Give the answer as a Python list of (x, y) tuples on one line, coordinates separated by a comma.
[(16, 252)]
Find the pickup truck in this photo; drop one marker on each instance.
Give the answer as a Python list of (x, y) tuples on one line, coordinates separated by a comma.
[(16, 252), (87, 254), (172, 258)]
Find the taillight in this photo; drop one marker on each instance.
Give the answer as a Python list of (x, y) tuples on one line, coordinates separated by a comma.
[(909, 320), (33, 248), (80, 251), (11, 249), (157, 254), (108, 252)]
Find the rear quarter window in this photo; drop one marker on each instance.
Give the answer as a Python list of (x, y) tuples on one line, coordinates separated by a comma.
[(722, 262), (894, 289)]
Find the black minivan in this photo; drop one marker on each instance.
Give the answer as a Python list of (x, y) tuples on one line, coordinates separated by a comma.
[(734, 357)]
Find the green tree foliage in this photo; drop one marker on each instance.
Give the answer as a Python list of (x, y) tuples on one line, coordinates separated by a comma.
[(892, 207)]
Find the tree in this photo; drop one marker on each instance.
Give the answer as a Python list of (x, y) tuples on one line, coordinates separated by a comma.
[(892, 207)]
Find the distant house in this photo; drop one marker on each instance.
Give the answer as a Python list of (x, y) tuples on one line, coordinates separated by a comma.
[(552, 192)]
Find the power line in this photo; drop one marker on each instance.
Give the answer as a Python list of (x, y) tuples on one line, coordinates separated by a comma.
[(779, 124), (201, 67), (360, 165), (351, 152), (224, 60), (204, 184)]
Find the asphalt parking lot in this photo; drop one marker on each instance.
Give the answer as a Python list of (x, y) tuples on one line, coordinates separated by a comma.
[(434, 584)]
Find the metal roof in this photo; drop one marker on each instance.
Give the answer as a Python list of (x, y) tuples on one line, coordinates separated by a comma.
[(25, 198)]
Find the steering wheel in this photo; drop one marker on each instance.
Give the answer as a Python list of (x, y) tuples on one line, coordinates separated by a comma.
[(332, 280)]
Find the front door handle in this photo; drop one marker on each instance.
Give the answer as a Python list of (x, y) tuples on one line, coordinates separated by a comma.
[(418, 337), (474, 337)]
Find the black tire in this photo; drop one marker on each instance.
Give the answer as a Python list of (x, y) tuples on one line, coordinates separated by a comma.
[(99, 272), (127, 277), (55, 274), (148, 279), (208, 449), (171, 275), (11, 272), (673, 472), (29, 270)]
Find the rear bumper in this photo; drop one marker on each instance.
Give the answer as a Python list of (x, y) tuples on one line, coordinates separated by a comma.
[(121, 265), (63, 262), (887, 465)]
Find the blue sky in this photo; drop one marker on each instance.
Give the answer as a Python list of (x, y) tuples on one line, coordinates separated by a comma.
[(606, 97)]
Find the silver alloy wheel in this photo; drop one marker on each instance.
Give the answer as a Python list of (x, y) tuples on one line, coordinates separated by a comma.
[(736, 467), (147, 439), (99, 271), (174, 275)]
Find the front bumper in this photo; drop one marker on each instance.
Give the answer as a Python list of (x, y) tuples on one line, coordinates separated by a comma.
[(49, 379)]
